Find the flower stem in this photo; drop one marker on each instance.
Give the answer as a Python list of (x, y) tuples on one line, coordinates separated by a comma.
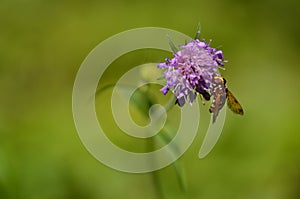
[(157, 185), (154, 175)]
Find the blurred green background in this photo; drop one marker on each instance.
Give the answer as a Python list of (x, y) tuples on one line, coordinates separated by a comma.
[(43, 43)]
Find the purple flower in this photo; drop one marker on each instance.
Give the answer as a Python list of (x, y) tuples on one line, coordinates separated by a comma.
[(191, 71)]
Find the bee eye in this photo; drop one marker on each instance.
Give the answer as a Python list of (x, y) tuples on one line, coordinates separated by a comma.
[(224, 81)]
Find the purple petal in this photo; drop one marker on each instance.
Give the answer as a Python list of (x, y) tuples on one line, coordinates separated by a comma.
[(165, 90)]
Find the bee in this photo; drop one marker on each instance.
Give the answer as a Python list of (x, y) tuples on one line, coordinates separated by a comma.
[(220, 95)]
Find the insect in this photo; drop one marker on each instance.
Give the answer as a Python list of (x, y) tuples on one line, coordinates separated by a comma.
[(220, 94)]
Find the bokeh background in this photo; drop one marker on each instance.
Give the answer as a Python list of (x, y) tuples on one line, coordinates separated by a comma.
[(43, 43)]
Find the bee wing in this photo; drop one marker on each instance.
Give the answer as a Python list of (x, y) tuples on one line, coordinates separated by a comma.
[(233, 104)]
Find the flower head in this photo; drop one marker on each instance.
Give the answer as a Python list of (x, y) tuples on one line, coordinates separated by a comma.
[(191, 71)]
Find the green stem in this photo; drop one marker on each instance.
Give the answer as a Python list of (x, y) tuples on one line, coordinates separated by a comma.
[(155, 180), (157, 185)]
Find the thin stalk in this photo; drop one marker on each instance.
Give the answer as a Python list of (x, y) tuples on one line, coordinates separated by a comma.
[(154, 177)]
